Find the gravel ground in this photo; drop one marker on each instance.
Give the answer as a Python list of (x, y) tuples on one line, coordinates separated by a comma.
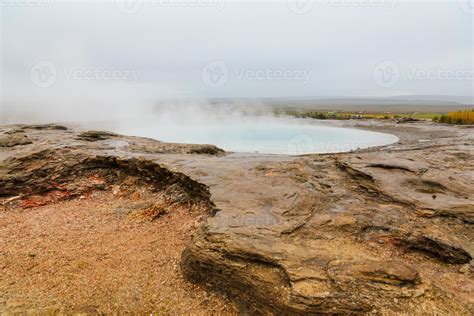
[(82, 256)]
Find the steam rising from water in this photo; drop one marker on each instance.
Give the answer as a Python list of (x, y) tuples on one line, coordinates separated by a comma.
[(241, 128), (237, 127)]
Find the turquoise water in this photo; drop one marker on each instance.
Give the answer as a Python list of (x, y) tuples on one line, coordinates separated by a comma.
[(266, 136)]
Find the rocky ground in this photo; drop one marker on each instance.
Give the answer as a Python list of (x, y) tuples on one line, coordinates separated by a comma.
[(97, 222)]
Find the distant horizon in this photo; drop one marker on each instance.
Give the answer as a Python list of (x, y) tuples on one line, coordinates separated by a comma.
[(465, 99)]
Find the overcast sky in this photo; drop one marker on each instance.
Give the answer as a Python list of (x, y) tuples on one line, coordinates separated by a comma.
[(111, 51)]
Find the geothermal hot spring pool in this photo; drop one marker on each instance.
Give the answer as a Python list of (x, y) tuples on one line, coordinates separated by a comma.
[(267, 136)]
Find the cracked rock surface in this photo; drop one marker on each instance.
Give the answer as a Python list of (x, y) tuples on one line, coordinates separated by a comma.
[(376, 231)]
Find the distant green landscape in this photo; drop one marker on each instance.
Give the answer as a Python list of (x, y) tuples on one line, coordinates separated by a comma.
[(463, 117)]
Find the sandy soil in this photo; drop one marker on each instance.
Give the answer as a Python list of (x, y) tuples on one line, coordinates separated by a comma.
[(85, 256)]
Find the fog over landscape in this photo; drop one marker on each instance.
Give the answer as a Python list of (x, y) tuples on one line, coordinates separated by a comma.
[(82, 61), (236, 157)]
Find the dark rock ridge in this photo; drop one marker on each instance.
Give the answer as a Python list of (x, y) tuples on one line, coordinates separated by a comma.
[(63, 171), (52, 166), (93, 136)]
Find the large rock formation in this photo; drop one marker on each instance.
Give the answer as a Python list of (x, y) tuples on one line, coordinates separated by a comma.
[(385, 231)]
